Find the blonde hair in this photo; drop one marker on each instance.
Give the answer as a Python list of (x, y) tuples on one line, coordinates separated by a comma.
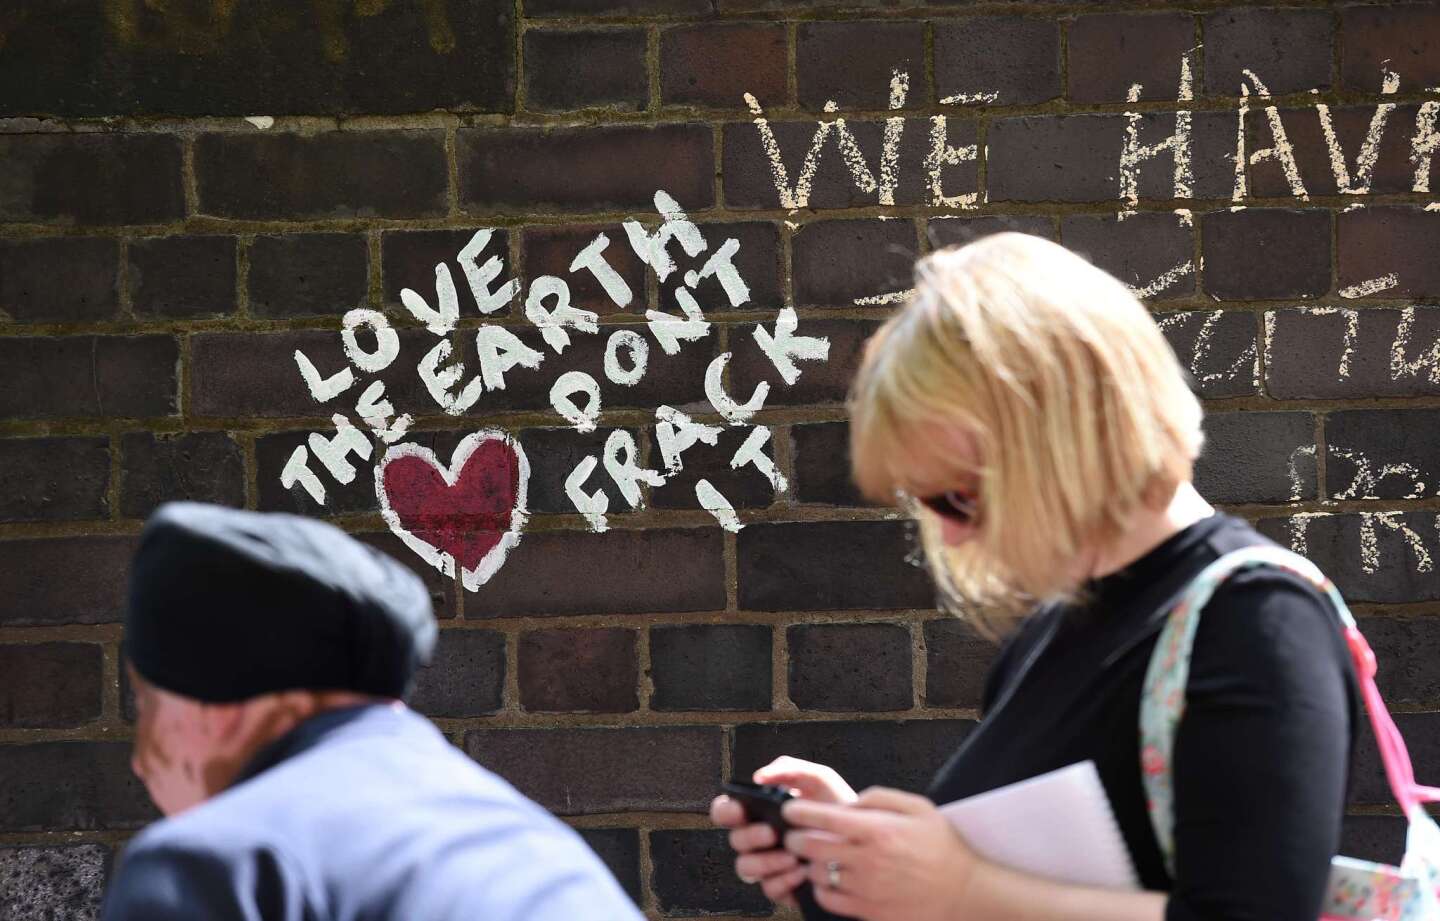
[(1076, 404)]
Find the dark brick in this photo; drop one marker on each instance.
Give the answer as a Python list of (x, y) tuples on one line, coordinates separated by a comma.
[(819, 382), (553, 454), (339, 174), (550, 251), (182, 276), (62, 279), (255, 375), (715, 65), (65, 580), (957, 662), (71, 786), (89, 376), (850, 667), (695, 874), (1290, 50), (758, 261), (199, 466), (49, 685), (579, 670), (903, 754), (54, 479), (710, 667), (1015, 57), (1265, 253), (837, 262), (308, 274), (1110, 52), (1067, 158), (585, 169), (834, 565), (851, 63), (957, 231), (1367, 775), (466, 676), (566, 8), (53, 883), (1375, 242), (265, 56), (408, 259), (735, 6), (442, 587), (1139, 249), (822, 464), (579, 69), (91, 178), (1306, 355), (1401, 38), (743, 488), (1397, 573), (582, 771), (632, 572), (750, 180), (619, 848), (1392, 171), (1359, 443), (1408, 652), (1380, 838), (272, 451), (1257, 457)]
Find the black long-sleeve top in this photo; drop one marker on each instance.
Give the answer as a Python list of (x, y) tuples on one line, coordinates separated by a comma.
[(1261, 755)]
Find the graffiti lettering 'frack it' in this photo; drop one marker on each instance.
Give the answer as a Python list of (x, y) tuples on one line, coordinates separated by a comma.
[(575, 396)]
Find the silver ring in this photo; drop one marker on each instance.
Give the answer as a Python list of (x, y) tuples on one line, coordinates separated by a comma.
[(832, 874)]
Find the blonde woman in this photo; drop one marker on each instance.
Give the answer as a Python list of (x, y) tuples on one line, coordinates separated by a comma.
[(1033, 416)]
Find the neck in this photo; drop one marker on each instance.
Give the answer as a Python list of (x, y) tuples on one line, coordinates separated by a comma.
[(1149, 528)]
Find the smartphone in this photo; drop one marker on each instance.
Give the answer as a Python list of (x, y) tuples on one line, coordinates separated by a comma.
[(762, 803)]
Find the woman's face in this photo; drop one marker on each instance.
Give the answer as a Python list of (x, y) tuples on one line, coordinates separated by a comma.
[(956, 502)]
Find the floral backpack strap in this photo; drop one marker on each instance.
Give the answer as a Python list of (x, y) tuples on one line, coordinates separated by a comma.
[(1162, 699)]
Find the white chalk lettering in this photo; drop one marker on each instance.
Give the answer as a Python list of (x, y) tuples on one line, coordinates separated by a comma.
[(721, 264), (438, 382), (379, 414), (480, 276), (782, 347), (639, 357), (938, 157), (621, 456), (562, 398), (1423, 145), (1427, 363), (752, 452), (553, 323), (387, 341), (1179, 144), (670, 330), (326, 388), (1280, 151), (713, 502), (1369, 149), (675, 433), (501, 350), (438, 320), (297, 470), (592, 259), (651, 248), (335, 452), (592, 505), (725, 405)]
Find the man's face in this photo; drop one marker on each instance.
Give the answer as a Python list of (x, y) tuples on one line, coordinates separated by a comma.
[(175, 747)]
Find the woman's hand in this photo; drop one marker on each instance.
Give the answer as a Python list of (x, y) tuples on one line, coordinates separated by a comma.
[(761, 859), (891, 856)]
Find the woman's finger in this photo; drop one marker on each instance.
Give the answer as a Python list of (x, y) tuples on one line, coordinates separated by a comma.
[(813, 781), (780, 889), (753, 837), (838, 901), (893, 800), (726, 813), (845, 821), (762, 865), (819, 847)]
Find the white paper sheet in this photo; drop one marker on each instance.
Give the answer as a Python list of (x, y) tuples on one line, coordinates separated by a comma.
[(1058, 825)]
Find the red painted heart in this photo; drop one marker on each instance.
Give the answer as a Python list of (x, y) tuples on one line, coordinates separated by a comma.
[(467, 515)]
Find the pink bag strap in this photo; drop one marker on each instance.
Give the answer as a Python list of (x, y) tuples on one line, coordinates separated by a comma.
[(1396, 757)]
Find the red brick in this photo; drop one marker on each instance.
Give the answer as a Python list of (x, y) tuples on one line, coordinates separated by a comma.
[(337, 174), (1016, 57), (1110, 52), (695, 874), (564, 8), (832, 565), (197, 466), (1408, 650), (96, 178), (1288, 49), (550, 251), (577, 69), (619, 848), (308, 274), (715, 64), (89, 376), (49, 685), (904, 754), (850, 667), (593, 671), (1218, 349), (836, 262), (1138, 250), (1307, 351), (958, 661), (1256, 457), (628, 572), (821, 454), (182, 276), (710, 667), (71, 786), (585, 169), (1401, 38), (1265, 253), (851, 63), (584, 771), (54, 479), (466, 676), (819, 382), (408, 259), (61, 279), (64, 580), (1375, 242)]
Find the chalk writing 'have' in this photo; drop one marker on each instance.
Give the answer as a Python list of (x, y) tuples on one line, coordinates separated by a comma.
[(575, 395)]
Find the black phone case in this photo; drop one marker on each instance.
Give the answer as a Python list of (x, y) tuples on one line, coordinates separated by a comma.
[(762, 803)]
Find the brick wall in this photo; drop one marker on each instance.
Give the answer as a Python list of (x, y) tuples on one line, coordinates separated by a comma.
[(162, 259)]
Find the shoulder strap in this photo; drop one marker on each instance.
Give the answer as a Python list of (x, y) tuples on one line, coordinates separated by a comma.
[(1162, 698)]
